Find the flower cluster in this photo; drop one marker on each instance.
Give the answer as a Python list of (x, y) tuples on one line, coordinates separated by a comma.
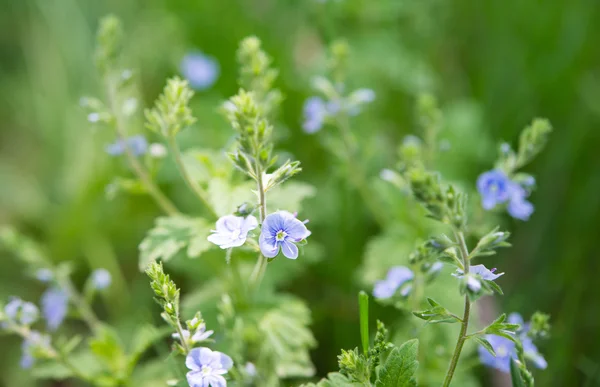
[(496, 188)]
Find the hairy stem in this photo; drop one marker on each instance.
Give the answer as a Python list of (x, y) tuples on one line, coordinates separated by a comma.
[(163, 202), (179, 328), (191, 183), (462, 336)]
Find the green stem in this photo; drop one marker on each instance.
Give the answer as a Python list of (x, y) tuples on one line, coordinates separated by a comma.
[(261, 264), (191, 183), (462, 336), (163, 202), (86, 312), (356, 173), (179, 328)]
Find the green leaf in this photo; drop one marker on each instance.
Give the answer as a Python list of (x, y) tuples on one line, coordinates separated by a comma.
[(400, 367), (143, 338), (171, 235), (436, 314), (515, 374), (486, 344), (109, 350), (225, 198), (289, 196)]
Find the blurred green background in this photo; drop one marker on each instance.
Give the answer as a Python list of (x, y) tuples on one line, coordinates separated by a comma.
[(494, 66)]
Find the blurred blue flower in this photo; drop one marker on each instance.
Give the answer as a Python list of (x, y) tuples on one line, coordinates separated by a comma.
[(44, 275), (33, 342), (529, 349), (476, 274), (518, 206), (207, 367), (200, 70), (21, 312), (232, 230), (494, 188), (281, 230), (358, 98), (396, 277), (101, 279), (137, 144), (315, 112), (55, 304)]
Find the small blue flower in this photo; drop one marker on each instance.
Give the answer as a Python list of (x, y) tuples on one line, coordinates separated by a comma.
[(476, 274), (518, 206), (281, 230), (200, 335), (55, 304), (505, 350), (494, 187), (137, 144), (396, 277), (232, 230), (530, 350), (44, 275), (35, 341), (207, 367), (101, 279), (200, 70), (21, 312), (315, 113)]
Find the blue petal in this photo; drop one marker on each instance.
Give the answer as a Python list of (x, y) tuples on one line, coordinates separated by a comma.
[(268, 246), (289, 249), (200, 70), (55, 304)]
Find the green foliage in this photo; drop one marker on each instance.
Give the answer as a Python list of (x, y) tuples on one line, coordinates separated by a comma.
[(171, 112), (400, 368), (172, 235), (437, 314)]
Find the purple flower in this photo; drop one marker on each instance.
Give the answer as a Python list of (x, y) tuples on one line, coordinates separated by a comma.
[(55, 304), (21, 312), (476, 274), (232, 230), (207, 368), (101, 279), (200, 70), (281, 230), (494, 188), (396, 277), (315, 113), (35, 341), (137, 145), (518, 206)]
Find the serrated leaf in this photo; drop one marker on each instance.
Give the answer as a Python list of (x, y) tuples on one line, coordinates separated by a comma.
[(436, 314), (225, 197), (515, 374), (485, 344), (400, 367), (171, 235)]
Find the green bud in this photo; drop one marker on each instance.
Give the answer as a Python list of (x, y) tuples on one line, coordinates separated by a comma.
[(171, 112), (532, 140), (488, 244), (109, 43), (540, 325)]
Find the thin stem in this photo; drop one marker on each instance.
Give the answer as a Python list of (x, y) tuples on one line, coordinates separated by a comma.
[(86, 312), (261, 264), (191, 183), (356, 173), (163, 202), (462, 336), (180, 329)]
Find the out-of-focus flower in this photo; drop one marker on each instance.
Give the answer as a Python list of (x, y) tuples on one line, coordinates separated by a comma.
[(476, 274), (21, 312), (396, 277), (494, 188), (282, 230), (207, 367), (200, 335), (157, 150), (44, 275), (34, 342), (200, 70), (315, 112), (137, 144), (232, 230), (101, 279), (518, 206), (55, 304)]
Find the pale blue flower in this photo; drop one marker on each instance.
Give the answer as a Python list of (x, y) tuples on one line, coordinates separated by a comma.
[(137, 144), (476, 274), (55, 304), (518, 206), (200, 70), (494, 187), (529, 349), (33, 342), (207, 368), (315, 113), (396, 277), (101, 279), (200, 335), (281, 230), (358, 98), (232, 230), (21, 312), (44, 275)]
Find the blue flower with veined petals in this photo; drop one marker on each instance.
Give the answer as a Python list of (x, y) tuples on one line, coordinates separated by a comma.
[(55, 304), (281, 231), (494, 187), (232, 231), (396, 277), (207, 367), (137, 144), (200, 70), (101, 279)]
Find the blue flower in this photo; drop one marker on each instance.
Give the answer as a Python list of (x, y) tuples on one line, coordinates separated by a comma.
[(200, 335), (44, 275), (137, 145), (518, 206), (281, 230), (55, 304), (315, 113), (232, 230), (200, 70), (207, 367), (396, 277), (505, 349), (34, 342), (476, 274), (101, 279), (358, 98), (494, 187), (21, 312)]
